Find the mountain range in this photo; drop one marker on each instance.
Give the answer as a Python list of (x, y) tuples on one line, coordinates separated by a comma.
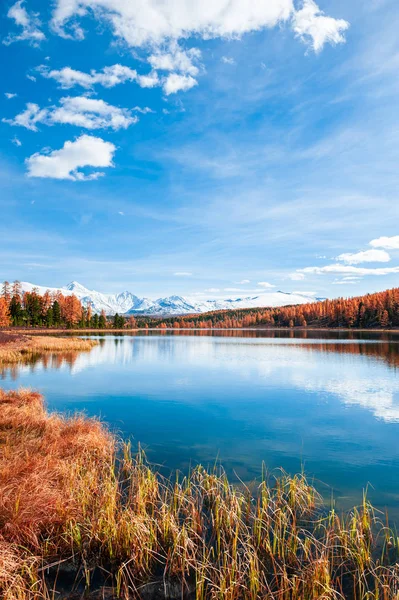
[(126, 303)]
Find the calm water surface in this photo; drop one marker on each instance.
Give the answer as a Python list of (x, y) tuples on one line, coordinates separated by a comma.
[(328, 405)]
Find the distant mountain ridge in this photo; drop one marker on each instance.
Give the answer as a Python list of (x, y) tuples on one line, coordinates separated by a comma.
[(126, 303)]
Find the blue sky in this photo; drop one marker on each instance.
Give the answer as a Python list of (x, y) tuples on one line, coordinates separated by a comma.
[(200, 148)]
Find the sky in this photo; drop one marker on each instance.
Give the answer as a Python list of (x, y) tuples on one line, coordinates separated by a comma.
[(217, 148)]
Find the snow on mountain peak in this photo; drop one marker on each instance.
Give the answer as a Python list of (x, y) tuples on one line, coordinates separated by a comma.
[(127, 303), (77, 287)]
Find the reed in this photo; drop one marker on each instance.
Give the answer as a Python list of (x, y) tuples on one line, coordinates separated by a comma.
[(79, 512), (24, 348)]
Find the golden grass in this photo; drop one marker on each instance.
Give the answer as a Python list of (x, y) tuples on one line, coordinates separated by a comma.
[(25, 347), (73, 499)]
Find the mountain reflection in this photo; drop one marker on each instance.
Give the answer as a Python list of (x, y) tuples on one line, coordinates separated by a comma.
[(338, 364)]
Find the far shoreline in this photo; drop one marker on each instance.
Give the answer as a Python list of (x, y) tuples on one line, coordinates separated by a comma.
[(76, 331)]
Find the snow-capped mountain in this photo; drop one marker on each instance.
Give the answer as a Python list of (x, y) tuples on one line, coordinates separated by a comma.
[(128, 304)]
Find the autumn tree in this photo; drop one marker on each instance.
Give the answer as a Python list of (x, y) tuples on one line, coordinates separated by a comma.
[(72, 310), (4, 313)]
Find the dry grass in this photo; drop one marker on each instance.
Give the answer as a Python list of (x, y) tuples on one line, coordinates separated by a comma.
[(14, 349), (72, 499)]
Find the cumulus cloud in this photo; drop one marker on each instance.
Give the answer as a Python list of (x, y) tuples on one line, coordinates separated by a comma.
[(177, 83), (81, 111), (10, 96), (143, 23), (149, 81), (265, 284), (66, 163), (108, 77), (116, 74), (366, 256), (389, 243), (29, 117), (314, 28), (28, 22), (91, 113), (346, 269), (176, 59)]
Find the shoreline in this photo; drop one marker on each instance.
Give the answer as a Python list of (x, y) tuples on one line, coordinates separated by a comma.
[(48, 331), (15, 347)]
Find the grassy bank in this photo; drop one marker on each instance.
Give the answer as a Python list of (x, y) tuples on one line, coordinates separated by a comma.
[(15, 348), (79, 514)]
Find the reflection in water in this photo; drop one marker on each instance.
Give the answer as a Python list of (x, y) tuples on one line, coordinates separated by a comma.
[(42, 361), (328, 402)]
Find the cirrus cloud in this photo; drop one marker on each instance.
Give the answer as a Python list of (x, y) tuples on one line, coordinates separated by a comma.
[(66, 163), (347, 270)]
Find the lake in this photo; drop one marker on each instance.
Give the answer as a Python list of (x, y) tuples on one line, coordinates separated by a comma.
[(327, 403)]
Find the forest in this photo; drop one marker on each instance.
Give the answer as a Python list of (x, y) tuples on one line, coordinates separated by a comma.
[(55, 310), (51, 310), (378, 310)]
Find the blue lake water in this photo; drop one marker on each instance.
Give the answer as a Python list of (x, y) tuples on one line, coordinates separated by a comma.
[(324, 403)]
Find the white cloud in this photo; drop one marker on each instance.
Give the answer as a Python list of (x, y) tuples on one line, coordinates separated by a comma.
[(228, 60), (296, 276), (176, 59), (242, 282), (301, 293), (29, 23), (143, 23), (29, 117), (91, 113), (108, 77), (16, 141), (149, 81), (314, 28), (86, 151), (177, 83), (31, 77), (9, 96), (366, 256), (265, 284), (182, 274), (389, 243), (117, 74), (81, 111), (212, 291), (346, 269)]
